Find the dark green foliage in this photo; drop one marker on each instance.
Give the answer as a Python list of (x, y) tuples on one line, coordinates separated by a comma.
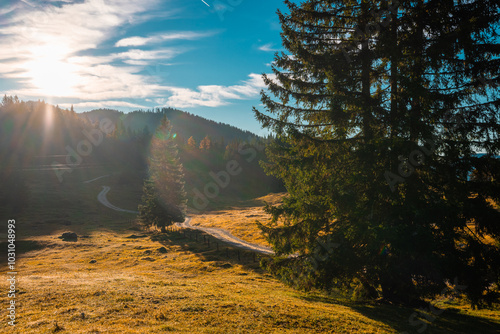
[(379, 115), (184, 123), (164, 198), (31, 129)]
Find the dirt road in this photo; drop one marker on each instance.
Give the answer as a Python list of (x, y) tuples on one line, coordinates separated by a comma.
[(227, 237), (218, 233), (97, 178), (104, 200)]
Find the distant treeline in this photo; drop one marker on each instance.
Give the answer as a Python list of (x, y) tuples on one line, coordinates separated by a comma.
[(205, 148), (184, 124)]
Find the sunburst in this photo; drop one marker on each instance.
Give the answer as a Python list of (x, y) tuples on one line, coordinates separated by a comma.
[(50, 73)]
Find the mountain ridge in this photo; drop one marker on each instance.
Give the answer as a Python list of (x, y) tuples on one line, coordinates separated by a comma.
[(185, 124)]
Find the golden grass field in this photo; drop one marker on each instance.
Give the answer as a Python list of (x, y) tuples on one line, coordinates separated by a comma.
[(133, 287), (240, 218)]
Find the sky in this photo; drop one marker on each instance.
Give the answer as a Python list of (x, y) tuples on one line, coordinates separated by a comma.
[(202, 56)]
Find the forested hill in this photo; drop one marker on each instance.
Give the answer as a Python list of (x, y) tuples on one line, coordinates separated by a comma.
[(184, 124), (36, 136), (29, 130)]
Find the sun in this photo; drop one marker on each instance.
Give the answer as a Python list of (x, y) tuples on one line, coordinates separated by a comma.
[(50, 73)]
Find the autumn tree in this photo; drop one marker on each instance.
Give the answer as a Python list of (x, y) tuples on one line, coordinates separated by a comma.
[(191, 143), (205, 143)]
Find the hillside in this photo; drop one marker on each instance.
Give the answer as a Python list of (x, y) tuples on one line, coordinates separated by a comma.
[(39, 136), (185, 124), (225, 143)]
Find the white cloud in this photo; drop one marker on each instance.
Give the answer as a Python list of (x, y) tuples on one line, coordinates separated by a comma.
[(215, 95), (133, 41), (9, 9), (42, 49), (50, 37), (103, 104), (145, 55), (267, 48), (141, 41)]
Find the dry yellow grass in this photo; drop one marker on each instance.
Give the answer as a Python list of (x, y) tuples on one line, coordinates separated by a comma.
[(241, 219), (133, 287)]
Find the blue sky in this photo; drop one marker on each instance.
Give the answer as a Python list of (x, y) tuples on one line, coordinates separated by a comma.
[(205, 57)]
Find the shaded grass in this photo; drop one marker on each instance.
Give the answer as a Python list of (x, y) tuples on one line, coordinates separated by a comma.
[(22, 246), (72, 205)]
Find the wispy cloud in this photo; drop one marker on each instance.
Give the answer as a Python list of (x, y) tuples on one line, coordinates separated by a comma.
[(103, 104), (215, 95), (183, 35), (42, 47), (268, 48), (68, 50)]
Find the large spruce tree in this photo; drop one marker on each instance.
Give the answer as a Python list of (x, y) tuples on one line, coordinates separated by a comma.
[(382, 111), (164, 199)]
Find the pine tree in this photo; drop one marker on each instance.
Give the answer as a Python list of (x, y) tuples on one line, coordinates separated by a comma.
[(7, 100), (164, 199), (145, 135), (379, 111), (120, 131)]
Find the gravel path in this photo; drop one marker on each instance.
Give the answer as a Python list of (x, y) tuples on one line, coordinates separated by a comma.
[(227, 237), (218, 233), (97, 178), (104, 200)]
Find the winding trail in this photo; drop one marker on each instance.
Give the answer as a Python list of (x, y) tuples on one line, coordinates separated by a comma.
[(218, 233), (104, 200), (227, 237), (97, 178)]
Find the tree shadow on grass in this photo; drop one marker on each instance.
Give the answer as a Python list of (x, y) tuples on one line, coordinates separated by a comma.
[(21, 247), (401, 319), (427, 320), (413, 321), (209, 249)]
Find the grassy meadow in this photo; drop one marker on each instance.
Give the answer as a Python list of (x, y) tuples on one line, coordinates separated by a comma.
[(118, 278), (240, 218)]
